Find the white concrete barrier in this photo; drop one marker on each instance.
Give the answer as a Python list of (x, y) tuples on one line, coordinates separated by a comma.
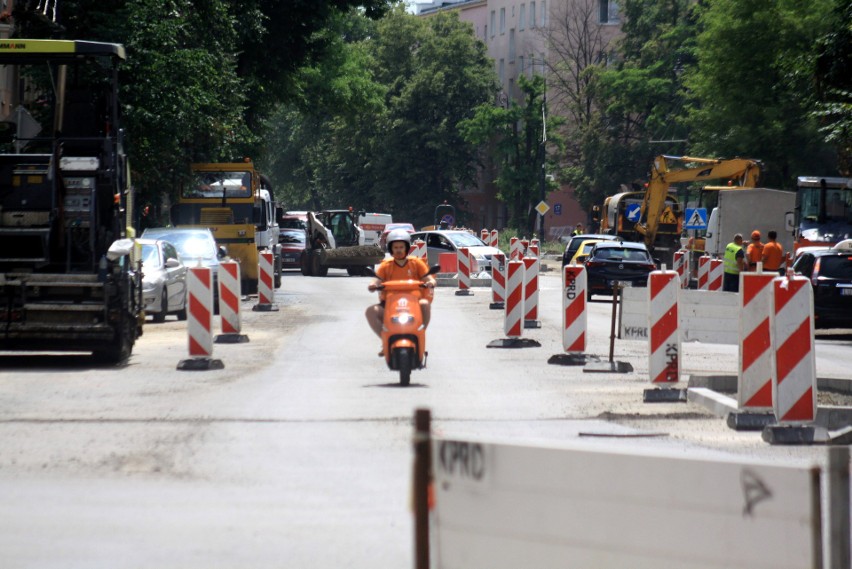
[(502, 506), (710, 318)]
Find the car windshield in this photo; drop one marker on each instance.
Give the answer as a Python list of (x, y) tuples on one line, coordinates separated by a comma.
[(150, 256), (190, 244), (466, 240), (292, 237), (293, 224), (218, 185), (836, 267), (622, 254)]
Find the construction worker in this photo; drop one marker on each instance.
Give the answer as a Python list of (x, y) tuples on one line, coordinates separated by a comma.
[(773, 254), (734, 264), (754, 252), (578, 230)]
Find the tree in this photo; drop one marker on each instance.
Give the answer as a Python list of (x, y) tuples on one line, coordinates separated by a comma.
[(517, 133), (751, 88), (834, 85)]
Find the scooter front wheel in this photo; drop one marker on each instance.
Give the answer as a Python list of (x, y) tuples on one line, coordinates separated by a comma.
[(405, 360)]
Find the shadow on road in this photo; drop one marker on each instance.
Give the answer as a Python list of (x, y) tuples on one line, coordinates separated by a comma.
[(397, 384), (35, 363)]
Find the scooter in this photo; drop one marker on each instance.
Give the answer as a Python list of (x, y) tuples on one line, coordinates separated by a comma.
[(403, 334)]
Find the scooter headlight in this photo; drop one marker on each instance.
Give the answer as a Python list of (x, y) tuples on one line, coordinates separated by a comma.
[(402, 318)]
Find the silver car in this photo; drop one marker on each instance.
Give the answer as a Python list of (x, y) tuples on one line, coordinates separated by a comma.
[(163, 280), (449, 241)]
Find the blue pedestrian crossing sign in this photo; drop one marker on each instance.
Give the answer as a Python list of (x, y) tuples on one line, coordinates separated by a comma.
[(633, 211), (695, 218)]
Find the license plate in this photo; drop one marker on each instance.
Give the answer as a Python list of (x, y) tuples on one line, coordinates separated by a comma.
[(846, 292)]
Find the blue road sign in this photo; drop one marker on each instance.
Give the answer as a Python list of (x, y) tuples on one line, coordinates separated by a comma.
[(557, 209), (695, 218), (633, 210)]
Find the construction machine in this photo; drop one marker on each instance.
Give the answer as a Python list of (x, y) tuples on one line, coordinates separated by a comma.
[(823, 212), (334, 241), (68, 279), (654, 216), (235, 202)]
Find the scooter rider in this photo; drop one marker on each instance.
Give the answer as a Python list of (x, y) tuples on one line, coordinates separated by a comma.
[(399, 267)]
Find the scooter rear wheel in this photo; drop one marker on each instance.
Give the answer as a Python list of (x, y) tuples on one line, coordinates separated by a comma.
[(405, 359)]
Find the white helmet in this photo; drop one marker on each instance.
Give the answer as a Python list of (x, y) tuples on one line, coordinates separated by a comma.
[(399, 235)]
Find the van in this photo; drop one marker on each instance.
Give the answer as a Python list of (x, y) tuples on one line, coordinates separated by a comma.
[(372, 225)]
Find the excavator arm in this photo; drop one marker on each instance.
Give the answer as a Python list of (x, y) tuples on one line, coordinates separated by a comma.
[(742, 171)]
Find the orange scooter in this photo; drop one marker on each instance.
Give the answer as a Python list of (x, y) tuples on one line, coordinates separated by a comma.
[(403, 334)]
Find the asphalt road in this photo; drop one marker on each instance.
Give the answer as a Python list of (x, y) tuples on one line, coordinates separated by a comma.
[(298, 453)]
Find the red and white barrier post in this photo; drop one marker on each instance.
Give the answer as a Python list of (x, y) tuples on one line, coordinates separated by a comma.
[(716, 276), (264, 284), (574, 317), (664, 366), (535, 245), (463, 256), (418, 249), (531, 270), (199, 282), (229, 304), (513, 321), (495, 238), (681, 267), (704, 272), (534, 251), (754, 369), (498, 281), (523, 248), (514, 246), (484, 236), (794, 384)]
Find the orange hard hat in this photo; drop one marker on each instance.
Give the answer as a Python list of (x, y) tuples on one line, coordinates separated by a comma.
[(755, 234)]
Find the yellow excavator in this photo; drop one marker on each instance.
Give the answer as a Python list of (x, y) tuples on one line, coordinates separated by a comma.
[(656, 217)]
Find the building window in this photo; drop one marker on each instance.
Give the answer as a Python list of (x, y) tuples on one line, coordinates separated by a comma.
[(608, 11), (493, 22), (502, 21), (521, 69), (501, 71), (543, 14), (512, 45), (531, 66), (522, 19), (511, 88), (541, 62), (485, 35), (532, 14)]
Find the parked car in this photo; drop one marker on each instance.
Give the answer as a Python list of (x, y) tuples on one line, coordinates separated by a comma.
[(617, 261), (163, 280), (292, 244), (449, 241), (194, 245), (293, 220), (390, 227), (830, 272), (576, 240)]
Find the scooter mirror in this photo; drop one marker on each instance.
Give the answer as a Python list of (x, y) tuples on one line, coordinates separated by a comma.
[(370, 271)]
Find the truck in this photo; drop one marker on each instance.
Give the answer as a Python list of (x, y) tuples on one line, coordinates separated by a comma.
[(823, 212), (68, 277), (235, 202), (658, 219), (743, 211), (373, 224), (334, 241)]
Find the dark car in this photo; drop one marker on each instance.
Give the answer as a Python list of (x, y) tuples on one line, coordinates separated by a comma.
[(830, 272), (617, 261), (576, 240), (292, 244)]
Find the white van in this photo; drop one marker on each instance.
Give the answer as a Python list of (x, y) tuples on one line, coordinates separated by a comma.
[(373, 224)]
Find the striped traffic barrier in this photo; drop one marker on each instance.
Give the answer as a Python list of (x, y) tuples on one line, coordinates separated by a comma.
[(513, 325), (534, 251), (463, 256), (716, 275), (484, 235), (498, 281), (418, 249), (754, 368), (663, 336), (199, 282), (703, 272), (514, 246), (574, 317), (531, 270), (264, 284), (229, 304), (523, 248), (793, 362), (681, 267), (495, 238), (535, 243)]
